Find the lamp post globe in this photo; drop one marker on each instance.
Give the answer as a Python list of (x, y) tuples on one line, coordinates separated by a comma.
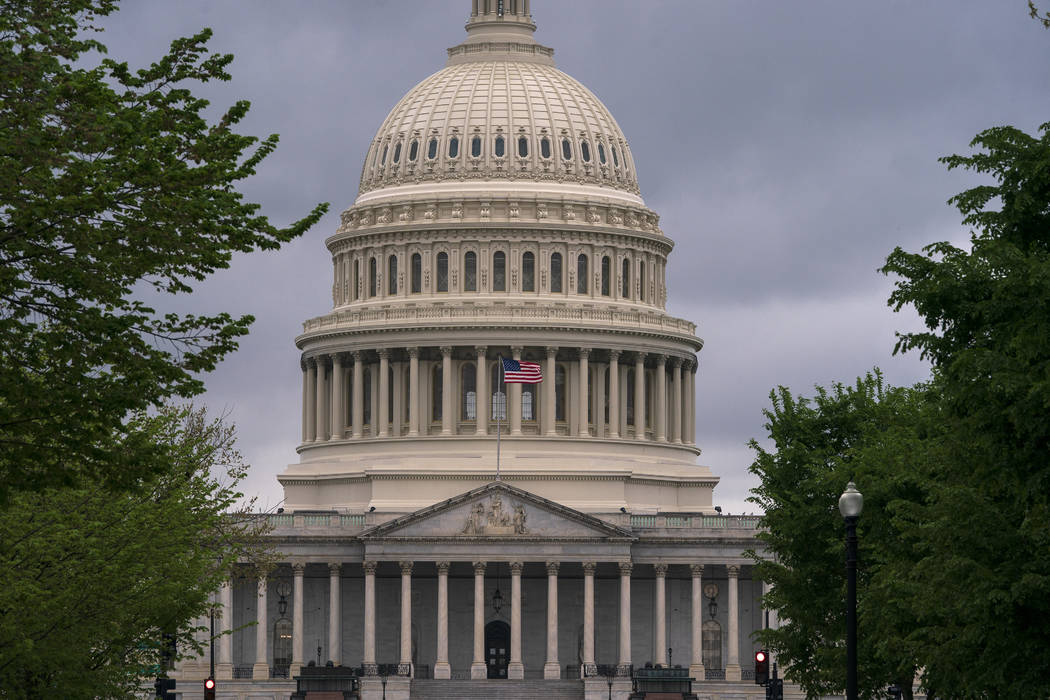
[(851, 503)]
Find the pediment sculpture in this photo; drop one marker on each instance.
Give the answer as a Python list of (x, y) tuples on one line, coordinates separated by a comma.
[(495, 520)]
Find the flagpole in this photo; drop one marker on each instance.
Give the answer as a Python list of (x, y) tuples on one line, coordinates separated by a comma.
[(504, 391)]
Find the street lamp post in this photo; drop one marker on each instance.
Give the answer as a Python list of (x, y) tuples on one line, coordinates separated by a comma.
[(851, 502)]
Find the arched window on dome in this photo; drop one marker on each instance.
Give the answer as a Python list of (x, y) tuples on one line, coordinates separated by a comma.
[(453, 147), (375, 157), (581, 274), (442, 272), (545, 147), (432, 149), (417, 273), (566, 149), (559, 393), (413, 150), (556, 272), (391, 275), (397, 153), (641, 281), (528, 272), (436, 389), (468, 392), (382, 161), (606, 273), (475, 147), (372, 277), (585, 151), (357, 279), (523, 146), (499, 271), (601, 153), (499, 147), (625, 279), (470, 271), (616, 157)]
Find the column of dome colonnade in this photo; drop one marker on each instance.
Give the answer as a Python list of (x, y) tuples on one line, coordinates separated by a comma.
[(401, 392), (261, 666)]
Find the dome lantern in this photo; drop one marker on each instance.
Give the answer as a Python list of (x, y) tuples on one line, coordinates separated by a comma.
[(500, 29)]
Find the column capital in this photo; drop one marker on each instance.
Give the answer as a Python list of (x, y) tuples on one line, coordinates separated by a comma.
[(384, 353), (661, 359), (584, 352), (304, 363), (479, 567), (515, 567), (335, 568), (614, 355), (338, 357), (516, 350), (370, 567), (552, 350), (639, 356), (298, 568), (413, 352), (481, 350), (733, 569), (446, 351), (660, 570), (357, 355), (552, 568), (626, 568), (677, 362), (406, 567), (310, 361), (589, 567), (443, 567), (697, 569)]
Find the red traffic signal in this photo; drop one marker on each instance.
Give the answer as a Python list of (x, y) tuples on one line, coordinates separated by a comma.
[(761, 667), (209, 689)]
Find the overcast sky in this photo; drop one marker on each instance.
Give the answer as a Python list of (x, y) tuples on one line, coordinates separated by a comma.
[(787, 146)]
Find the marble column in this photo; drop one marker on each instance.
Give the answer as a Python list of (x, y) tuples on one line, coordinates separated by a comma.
[(625, 617), (446, 391), (307, 433), (335, 616), (405, 663), (552, 669), (588, 614), (733, 663), (321, 401), (224, 667), (337, 398), (477, 667), (661, 399), (550, 391), (515, 669), (514, 398), (298, 569), (359, 395), (614, 394), (384, 392), (676, 401), (442, 669), (413, 392), (311, 400), (368, 653), (696, 664), (660, 570), (692, 403), (481, 384), (583, 430), (261, 669), (639, 396)]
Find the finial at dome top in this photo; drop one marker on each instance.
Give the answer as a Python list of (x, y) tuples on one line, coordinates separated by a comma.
[(500, 30)]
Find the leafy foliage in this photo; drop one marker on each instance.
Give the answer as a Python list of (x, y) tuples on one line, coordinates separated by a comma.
[(111, 181), (91, 579)]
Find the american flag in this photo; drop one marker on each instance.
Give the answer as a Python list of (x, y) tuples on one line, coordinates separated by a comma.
[(515, 372)]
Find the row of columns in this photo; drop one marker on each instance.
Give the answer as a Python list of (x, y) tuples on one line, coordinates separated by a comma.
[(324, 396), (478, 669)]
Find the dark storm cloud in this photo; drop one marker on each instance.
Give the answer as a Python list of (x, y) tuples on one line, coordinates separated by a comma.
[(787, 147)]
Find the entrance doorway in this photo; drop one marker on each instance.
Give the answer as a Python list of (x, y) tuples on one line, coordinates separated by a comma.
[(497, 648)]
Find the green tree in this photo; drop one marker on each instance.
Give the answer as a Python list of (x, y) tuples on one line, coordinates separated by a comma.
[(982, 540), (876, 436), (111, 181), (91, 579)]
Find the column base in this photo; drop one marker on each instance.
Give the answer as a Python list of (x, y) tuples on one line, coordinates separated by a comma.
[(393, 688), (223, 672), (696, 671), (732, 672), (295, 669), (551, 671), (261, 672), (442, 671), (516, 671), (478, 671)]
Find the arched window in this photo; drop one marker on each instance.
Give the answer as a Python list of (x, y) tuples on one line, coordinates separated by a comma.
[(641, 281), (545, 147), (282, 643), (566, 149), (625, 281), (559, 393), (528, 402), (371, 277), (417, 273), (468, 392), (413, 150), (436, 398), (357, 265), (581, 274), (499, 271), (500, 147), (629, 391), (528, 272), (442, 272), (397, 153), (382, 161), (470, 271), (523, 146), (498, 406), (556, 274), (366, 398), (585, 151), (432, 149), (375, 157), (391, 274), (606, 272), (601, 153), (475, 147), (453, 147), (616, 157), (712, 644)]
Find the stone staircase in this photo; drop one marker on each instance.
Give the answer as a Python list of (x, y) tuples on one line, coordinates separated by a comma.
[(497, 690)]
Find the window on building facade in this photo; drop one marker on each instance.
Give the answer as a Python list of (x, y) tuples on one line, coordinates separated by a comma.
[(498, 401), (372, 277), (616, 157), (528, 401), (499, 271), (417, 273), (601, 153), (528, 272), (629, 396), (432, 149), (606, 272), (475, 147), (442, 272), (566, 149), (436, 398), (397, 153), (453, 147), (625, 279), (523, 146), (390, 403), (712, 645), (559, 393), (391, 274), (585, 151), (641, 281), (545, 147), (470, 271), (282, 643), (382, 160), (581, 274), (354, 291), (413, 150), (468, 391), (556, 272), (499, 147), (367, 395)]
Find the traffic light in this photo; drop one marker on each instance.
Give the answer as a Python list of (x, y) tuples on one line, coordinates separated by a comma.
[(761, 667), (165, 688), (209, 689)]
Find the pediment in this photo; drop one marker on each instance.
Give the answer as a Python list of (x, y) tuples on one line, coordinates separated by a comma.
[(497, 511)]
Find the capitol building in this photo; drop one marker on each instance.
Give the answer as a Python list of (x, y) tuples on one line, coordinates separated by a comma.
[(444, 533)]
